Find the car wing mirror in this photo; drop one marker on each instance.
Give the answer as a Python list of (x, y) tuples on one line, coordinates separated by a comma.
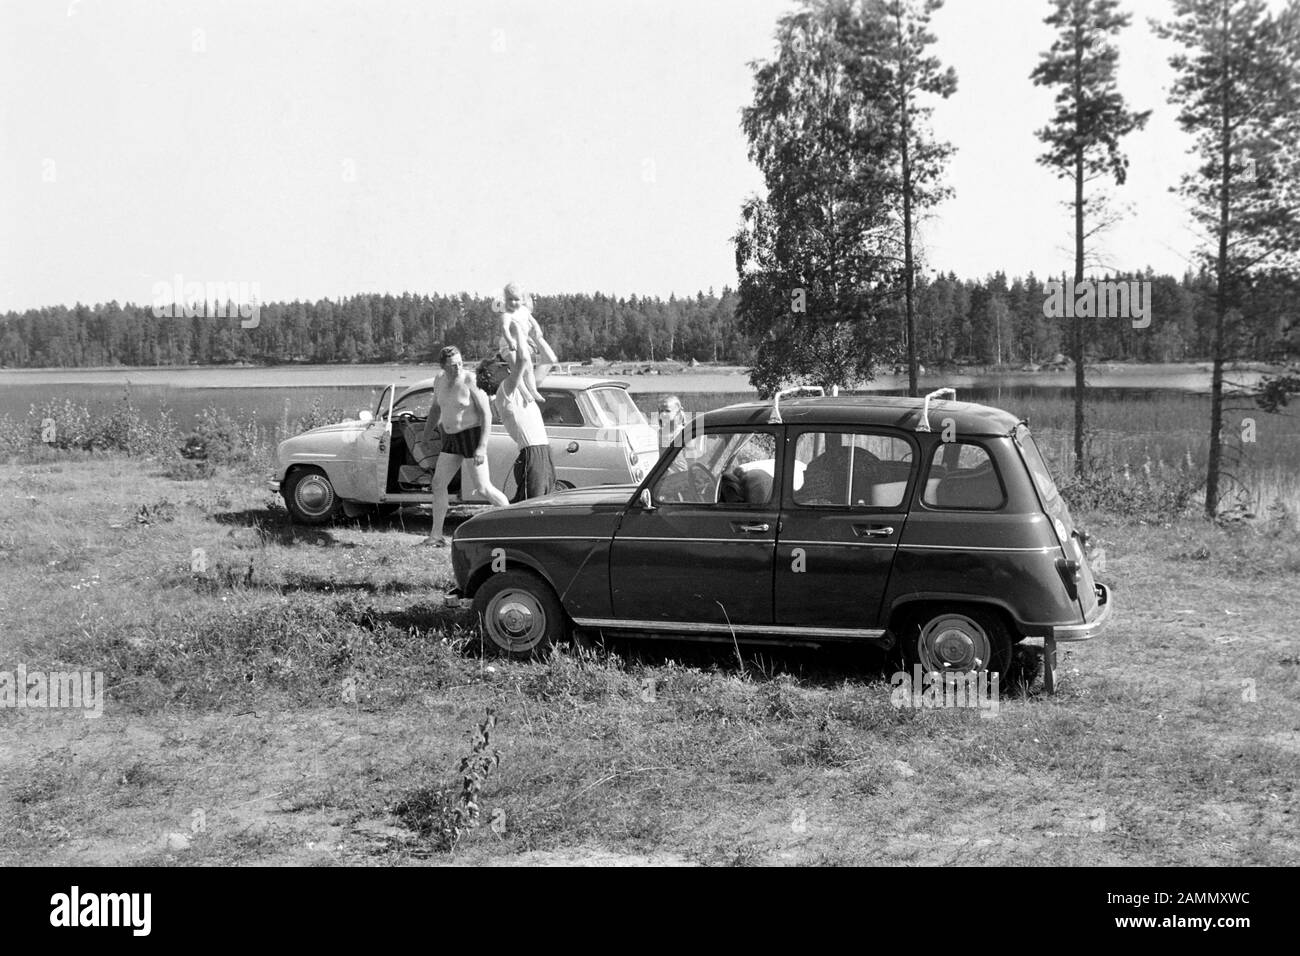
[(365, 415), (647, 502)]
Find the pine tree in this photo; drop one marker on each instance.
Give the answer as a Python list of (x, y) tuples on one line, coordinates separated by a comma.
[(1084, 134), (1238, 86)]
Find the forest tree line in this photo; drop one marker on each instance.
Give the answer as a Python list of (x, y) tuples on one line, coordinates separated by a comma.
[(993, 321)]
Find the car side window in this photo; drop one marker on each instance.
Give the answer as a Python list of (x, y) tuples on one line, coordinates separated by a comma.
[(560, 408), (732, 469), (963, 476), (851, 470)]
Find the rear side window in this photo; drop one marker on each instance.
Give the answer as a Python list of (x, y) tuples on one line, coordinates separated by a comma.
[(1038, 468), (963, 476), (851, 470), (560, 408)]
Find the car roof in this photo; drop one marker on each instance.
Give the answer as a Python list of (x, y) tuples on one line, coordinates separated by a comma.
[(968, 418), (569, 383)]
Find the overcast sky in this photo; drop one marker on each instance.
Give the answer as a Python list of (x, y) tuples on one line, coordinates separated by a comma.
[(328, 148)]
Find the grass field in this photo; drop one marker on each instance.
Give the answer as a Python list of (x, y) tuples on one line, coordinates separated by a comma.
[(306, 698)]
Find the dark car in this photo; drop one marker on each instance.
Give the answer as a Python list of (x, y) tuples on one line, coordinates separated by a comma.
[(930, 523)]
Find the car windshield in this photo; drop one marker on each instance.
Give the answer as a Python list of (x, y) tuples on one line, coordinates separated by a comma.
[(382, 407), (417, 403), (616, 407)]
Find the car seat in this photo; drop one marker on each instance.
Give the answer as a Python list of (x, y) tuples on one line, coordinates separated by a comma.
[(971, 488)]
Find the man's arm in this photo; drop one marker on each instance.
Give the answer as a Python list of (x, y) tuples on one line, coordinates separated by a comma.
[(543, 346), (435, 415), (480, 400), (518, 339), (511, 382)]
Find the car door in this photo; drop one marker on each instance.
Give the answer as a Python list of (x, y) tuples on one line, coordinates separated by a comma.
[(406, 418), (844, 504), (371, 451), (700, 557)]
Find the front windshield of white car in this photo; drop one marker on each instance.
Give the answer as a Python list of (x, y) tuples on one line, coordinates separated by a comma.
[(417, 403)]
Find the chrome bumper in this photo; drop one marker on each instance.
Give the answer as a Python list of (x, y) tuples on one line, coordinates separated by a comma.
[(1083, 632), (454, 599)]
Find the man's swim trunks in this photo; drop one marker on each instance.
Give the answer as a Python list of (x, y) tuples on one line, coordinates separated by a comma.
[(463, 443)]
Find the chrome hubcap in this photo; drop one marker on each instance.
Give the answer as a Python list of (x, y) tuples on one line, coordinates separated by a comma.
[(313, 494), (516, 621), (954, 642)]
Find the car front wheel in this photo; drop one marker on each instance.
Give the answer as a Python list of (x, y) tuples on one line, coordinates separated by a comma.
[(519, 613), (959, 642), (310, 497)]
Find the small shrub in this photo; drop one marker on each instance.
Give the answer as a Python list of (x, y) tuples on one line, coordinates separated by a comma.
[(218, 438), (445, 814), (317, 416), (1157, 493), (190, 470)]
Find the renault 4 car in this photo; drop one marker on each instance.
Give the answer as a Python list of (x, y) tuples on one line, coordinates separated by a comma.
[(927, 525), (597, 434)]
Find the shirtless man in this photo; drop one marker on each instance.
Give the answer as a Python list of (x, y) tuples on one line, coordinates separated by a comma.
[(461, 408), (521, 336)]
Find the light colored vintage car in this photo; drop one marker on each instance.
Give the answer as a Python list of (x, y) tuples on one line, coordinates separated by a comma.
[(598, 437)]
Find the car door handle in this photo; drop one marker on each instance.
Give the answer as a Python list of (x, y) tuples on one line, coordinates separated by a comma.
[(873, 530), (757, 528)]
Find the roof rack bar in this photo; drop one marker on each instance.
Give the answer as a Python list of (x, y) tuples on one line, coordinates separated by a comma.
[(775, 417), (924, 425)]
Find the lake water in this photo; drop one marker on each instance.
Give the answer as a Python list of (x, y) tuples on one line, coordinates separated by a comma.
[(270, 395)]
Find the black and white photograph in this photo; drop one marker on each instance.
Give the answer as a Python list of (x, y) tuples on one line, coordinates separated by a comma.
[(648, 434)]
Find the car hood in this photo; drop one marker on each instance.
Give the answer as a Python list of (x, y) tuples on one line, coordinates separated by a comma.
[(581, 513), (328, 439), (351, 425), (577, 498)]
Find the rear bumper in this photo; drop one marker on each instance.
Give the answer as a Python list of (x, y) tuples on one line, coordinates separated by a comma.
[(274, 485), (1089, 629), (454, 598)]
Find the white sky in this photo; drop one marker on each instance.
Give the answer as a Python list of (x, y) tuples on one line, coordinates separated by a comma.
[(330, 147)]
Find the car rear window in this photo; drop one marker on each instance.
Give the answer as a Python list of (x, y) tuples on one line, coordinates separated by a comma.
[(963, 476)]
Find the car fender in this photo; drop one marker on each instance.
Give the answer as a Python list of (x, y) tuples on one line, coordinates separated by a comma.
[(485, 561), (903, 606)]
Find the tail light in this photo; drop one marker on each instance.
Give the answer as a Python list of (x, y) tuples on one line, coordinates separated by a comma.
[(1072, 574)]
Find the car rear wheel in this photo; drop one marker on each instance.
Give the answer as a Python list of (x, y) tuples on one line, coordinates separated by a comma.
[(519, 613), (959, 642), (310, 497)]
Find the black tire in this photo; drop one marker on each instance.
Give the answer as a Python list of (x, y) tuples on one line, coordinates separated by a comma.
[(310, 497), (519, 613), (959, 640)]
